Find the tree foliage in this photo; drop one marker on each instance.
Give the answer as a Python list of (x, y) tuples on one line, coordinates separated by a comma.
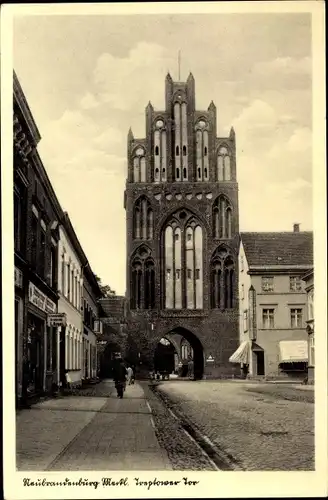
[(105, 289)]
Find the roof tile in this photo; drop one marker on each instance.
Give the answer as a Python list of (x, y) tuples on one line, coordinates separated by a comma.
[(279, 248)]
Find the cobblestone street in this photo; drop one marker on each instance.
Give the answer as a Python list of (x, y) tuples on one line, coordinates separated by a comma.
[(94, 430), (262, 426)]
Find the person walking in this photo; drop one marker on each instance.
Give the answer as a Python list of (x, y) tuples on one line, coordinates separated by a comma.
[(119, 376), (129, 375)]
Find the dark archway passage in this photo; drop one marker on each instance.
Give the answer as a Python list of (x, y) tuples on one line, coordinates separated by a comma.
[(164, 357), (197, 350)]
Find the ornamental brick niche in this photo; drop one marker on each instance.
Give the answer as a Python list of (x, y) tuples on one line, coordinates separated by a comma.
[(182, 223)]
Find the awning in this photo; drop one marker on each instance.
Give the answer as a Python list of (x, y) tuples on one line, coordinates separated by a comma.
[(242, 354), (293, 351)]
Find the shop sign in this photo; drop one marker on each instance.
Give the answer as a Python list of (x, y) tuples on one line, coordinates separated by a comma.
[(210, 359), (56, 319), (18, 278), (102, 342), (40, 300)]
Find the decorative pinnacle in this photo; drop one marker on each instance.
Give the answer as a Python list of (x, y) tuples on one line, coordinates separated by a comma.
[(130, 134), (211, 106), (232, 133), (190, 77)]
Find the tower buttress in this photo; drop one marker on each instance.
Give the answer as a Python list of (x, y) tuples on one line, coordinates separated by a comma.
[(149, 141), (129, 148), (191, 92)]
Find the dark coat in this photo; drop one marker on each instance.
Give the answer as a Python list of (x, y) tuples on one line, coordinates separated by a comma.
[(119, 373)]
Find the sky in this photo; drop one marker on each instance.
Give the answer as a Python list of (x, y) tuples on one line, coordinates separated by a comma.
[(87, 79)]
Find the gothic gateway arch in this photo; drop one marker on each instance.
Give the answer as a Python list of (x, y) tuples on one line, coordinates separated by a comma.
[(181, 202)]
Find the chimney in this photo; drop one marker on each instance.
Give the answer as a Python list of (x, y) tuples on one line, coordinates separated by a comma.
[(296, 228)]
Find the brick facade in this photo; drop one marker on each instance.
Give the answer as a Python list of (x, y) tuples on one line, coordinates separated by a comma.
[(35, 256), (212, 331)]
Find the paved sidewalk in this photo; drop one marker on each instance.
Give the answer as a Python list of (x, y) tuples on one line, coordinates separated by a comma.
[(90, 433)]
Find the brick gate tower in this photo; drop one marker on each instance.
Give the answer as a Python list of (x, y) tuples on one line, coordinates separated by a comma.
[(181, 202)]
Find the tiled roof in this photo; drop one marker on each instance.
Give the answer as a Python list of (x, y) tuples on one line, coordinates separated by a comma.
[(279, 248), (113, 306)]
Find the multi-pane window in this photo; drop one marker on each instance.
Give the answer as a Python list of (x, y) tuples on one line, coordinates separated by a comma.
[(268, 318), (222, 218), (183, 240), (296, 318), (267, 284), (245, 320), (295, 284), (143, 220), (222, 279), (143, 279)]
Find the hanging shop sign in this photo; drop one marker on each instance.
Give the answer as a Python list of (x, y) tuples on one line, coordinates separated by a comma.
[(56, 319), (18, 278), (40, 300)]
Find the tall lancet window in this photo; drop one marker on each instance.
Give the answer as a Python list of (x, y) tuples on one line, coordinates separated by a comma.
[(142, 292), (182, 273), (180, 138), (222, 279), (160, 167), (143, 222), (139, 165), (223, 165), (202, 151), (222, 218)]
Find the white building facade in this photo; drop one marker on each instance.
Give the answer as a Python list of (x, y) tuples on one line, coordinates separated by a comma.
[(71, 261)]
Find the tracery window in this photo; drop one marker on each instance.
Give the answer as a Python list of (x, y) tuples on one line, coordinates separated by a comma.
[(222, 279), (223, 165), (160, 151), (180, 137), (183, 262), (202, 168), (222, 218), (142, 279), (143, 219), (139, 165)]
